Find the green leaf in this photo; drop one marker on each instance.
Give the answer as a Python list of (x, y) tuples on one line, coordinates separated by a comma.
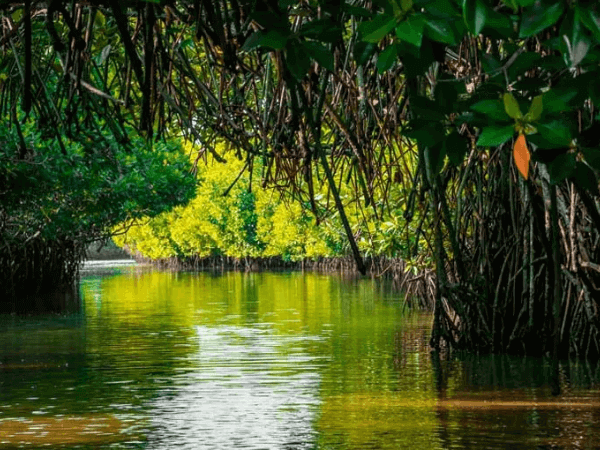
[(324, 30), (285, 4), (498, 25), (523, 63), (556, 132), (376, 29), (320, 53), (363, 51), (490, 64), (557, 100), (424, 108), (442, 9), (475, 15), (592, 157), (494, 109), (104, 54), (446, 95), (590, 20), (17, 15), (411, 29), (440, 30), (539, 17), (355, 11), (269, 20), (406, 5), (427, 134), (457, 147), (511, 106), (585, 178), (512, 4), (436, 156), (493, 136), (536, 109), (561, 168), (272, 39), (387, 58), (252, 42), (298, 60)]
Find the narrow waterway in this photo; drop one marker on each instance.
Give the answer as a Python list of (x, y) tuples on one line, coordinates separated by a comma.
[(286, 361)]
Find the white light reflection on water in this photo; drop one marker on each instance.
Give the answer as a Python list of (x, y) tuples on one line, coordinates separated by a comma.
[(247, 388)]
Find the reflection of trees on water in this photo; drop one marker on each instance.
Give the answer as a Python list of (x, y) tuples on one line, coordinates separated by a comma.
[(63, 300), (282, 361), (499, 400)]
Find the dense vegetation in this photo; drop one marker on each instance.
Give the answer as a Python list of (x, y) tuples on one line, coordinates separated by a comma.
[(55, 200), (229, 217), (498, 98), (66, 178)]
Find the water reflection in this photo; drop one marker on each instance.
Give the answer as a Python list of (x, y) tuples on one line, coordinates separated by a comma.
[(269, 361), (251, 388)]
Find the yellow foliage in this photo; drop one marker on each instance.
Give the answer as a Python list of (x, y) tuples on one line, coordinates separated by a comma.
[(259, 223)]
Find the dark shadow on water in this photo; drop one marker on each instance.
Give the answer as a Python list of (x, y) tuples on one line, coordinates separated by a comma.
[(63, 300), (502, 401)]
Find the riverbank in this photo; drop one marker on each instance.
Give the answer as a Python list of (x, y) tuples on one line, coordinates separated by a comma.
[(418, 288)]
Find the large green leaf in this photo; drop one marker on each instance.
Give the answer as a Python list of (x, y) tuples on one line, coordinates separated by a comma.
[(355, 11), (411, 29), (493, 136), (523, 63), (490, 64), (446, 95), (324, 30), (425, 133), (320, 53), (558, 99), (376, 29), (475, 14), (511, 106), (592, 157), (363, 52), (539, 17), (590, 19), (494, 109), (443, 9), (272, 39), (585, 178), (269, 20), (387, 58), (525, 3), (498, 25), (424, 108), (416, 62), (536, 109), (561, 168), (298, 60), (440, 30), (557, 133), (435, 156), (253, 41), (457, 147)]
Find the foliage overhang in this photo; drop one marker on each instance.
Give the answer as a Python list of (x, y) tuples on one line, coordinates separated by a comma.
[(504, 90)]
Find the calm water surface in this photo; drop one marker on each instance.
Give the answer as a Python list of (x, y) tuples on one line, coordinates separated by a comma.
[(155, 360)]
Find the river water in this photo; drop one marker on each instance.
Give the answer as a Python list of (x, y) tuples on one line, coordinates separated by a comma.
[(286, 361)]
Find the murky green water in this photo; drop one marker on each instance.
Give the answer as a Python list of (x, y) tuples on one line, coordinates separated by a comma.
[(157, 360)]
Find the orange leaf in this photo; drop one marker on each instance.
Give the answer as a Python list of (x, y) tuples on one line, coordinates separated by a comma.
[(521, 155)]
